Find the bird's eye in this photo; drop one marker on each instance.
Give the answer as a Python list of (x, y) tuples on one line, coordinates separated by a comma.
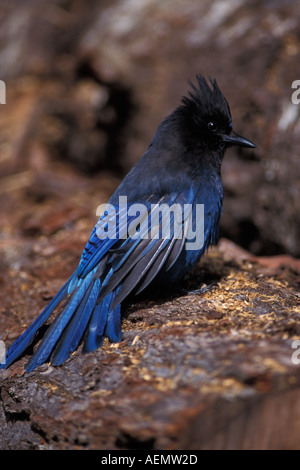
[(212, 126)]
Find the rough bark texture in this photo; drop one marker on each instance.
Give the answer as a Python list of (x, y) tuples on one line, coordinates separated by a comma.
[(192, 372), (87, 83)]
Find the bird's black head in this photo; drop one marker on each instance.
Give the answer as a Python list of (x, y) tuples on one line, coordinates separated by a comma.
[(207, 116)]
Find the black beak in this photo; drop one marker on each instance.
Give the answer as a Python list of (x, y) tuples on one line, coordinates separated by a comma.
[(235, 139)]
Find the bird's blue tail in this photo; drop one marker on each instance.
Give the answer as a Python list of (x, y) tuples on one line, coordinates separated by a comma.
[(82, 312)]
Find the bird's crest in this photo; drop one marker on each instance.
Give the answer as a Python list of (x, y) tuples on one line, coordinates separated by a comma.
[(206, 99)]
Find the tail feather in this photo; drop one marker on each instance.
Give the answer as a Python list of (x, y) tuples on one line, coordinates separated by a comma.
[(24, 341), (113, 325), (73, 333), (105, 321), (81, 314), (59, 324), (95, 333)]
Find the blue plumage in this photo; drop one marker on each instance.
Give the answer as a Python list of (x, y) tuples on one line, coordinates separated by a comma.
[(180, 170)]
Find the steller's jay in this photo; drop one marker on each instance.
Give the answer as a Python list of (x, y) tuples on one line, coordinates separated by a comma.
[(181, 169)]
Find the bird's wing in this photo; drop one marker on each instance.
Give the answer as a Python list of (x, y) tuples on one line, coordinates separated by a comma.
[(134, 263), (129, 265), (109, 270), (97, 246)]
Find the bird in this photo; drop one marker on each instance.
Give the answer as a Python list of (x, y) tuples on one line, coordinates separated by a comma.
[(180, 168)]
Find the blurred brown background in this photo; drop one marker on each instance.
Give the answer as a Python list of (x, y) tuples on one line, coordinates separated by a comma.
[(88, 82)]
